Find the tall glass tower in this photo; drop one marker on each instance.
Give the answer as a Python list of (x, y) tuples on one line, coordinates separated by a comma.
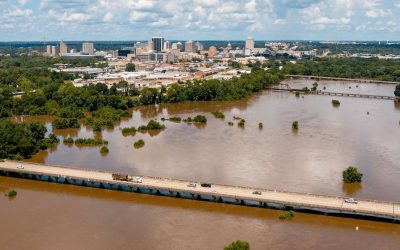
[(158, 43)]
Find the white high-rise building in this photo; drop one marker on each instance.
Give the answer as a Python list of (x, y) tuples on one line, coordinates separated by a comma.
[(199, 46), (88, 48), (167, 45), (190, 46), (177, 45), (249, 43)]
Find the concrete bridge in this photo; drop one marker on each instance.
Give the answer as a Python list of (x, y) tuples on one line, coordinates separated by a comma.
[(340, 79), (329, 205), (382, 97)]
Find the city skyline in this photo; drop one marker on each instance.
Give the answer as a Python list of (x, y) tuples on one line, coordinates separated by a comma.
[(53, 20)]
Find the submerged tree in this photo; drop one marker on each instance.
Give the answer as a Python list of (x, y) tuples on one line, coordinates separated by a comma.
[(238, 245), (397, 91), (351, 175)]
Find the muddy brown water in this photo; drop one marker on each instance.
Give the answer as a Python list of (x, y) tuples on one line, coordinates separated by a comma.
[(51, 216)]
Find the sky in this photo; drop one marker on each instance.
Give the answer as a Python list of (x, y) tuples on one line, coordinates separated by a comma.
[(91, 20)]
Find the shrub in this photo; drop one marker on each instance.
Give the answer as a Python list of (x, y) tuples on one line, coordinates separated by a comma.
[(397, 91), (175, 119), (130, 130), (200, 119), (241, 123), (11, 193), (297, 93), (335, 102), (138, 144), (64, 123), (295, 125), (237, 118), (260, 125), (287, 216), (238, 245), (189, 119), (351, 175), (151, 125), (104, 150), (68, 140), (230, 123), (218, 114), (90, 142)]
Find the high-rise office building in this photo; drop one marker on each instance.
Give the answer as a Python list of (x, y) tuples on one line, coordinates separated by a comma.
[(63, 47), (88, 48), (51, 50), (249, 43), (177, 45), (190, 46), (167, 45), (199, 46), (158, 43)]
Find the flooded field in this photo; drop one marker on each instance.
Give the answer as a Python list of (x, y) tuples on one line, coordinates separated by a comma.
[(360, 132)]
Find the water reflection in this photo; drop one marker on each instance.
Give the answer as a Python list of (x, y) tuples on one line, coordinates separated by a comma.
[(351, 189)]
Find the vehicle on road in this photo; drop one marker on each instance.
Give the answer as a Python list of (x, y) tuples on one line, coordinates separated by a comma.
[(206, 185), (351, 200), (192, 185), (257, 192), (137, 179), (19, 166)]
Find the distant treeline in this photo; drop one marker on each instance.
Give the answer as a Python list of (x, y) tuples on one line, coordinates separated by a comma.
[(372, 68)]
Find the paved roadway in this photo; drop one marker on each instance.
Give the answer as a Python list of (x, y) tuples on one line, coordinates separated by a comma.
[(302, 200)]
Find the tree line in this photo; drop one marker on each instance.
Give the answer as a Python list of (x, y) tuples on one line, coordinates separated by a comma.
[(371, 68)]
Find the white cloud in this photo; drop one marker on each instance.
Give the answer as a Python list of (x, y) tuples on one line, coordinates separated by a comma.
[(375, 13), (207, 18), (17, 12)]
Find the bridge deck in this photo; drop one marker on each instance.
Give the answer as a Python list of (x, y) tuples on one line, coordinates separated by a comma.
[(300, 200), (370, 96)]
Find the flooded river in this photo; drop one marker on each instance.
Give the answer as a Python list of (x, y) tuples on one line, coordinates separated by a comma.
[(361, 132)]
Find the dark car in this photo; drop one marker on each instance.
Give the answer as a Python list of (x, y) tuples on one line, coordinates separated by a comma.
[(206, 185)]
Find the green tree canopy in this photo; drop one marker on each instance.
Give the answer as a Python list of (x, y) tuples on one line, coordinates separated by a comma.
[(351, 175), (238, 245)]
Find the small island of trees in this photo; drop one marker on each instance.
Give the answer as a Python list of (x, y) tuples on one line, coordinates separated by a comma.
[(104, 150), (397, 91), (295, 125), (241, 123), (287, 216), (138, 144), (90, 142), (238, 245), (218, 114), (352, 175), (128, 131), (335, 103), (196, 119), (11, 193), (68, 140), (151, 125)]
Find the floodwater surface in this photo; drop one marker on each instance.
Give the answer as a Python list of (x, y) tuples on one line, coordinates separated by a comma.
[(53, 216), (360, 132)]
